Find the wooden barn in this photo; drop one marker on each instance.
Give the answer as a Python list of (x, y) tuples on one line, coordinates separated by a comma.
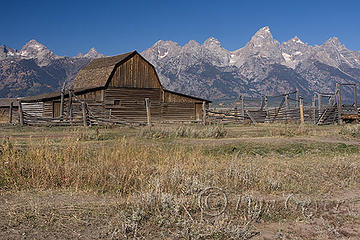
[(116, 88)]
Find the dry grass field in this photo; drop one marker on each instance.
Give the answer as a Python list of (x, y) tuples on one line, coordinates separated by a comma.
[(4, 116), (265, 181)]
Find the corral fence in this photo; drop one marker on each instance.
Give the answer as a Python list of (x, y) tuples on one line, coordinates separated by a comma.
[(322, 109)]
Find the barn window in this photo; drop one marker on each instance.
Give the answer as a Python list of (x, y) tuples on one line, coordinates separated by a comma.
[(116, 102)]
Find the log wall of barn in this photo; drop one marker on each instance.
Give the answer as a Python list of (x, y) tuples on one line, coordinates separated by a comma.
[(135, 73), (48, 107), (129, 103), (97, 95), (178, 98), (34, 109)]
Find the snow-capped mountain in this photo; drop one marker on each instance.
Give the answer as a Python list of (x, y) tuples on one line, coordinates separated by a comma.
[(262, 66), (35, 69), (92, 54), (37, 51), (6, 52), (295, 51)]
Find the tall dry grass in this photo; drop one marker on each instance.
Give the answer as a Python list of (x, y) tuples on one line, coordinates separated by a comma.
[(4, 116), (184, 131), (158, 184), (128, 166)]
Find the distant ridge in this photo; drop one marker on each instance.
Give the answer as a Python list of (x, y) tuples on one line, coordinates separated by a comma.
[(262, 66)]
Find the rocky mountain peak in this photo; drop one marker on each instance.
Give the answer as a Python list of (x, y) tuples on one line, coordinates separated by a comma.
[(167, 43), (295, 51), (92, 53), (294, 45), (192, 43), (36, 50), (262, 33), (263, 39), (212, 42), (333, 42), (32, 48), (262, 45), (297, 40), (161, 49)]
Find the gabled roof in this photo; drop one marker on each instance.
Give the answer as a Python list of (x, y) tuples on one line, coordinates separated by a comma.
[(188, 96), (98, 71)]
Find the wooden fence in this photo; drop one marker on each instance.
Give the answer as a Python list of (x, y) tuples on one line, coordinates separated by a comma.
[(289, 107)]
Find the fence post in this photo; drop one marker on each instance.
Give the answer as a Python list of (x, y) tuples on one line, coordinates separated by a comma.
[(297, 98), (242, 108), (204, 112), (319, 103), (62, 104), (83, 107), (302, 120), (262, 103), (267, 108), (148, 113), (70, 105), (10, 111), (338, 102), (287, 107), (314, 108), (236, 113), (355, 97), (21, 116)]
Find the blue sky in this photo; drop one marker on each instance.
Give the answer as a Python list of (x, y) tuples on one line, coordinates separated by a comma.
[(113, 27)]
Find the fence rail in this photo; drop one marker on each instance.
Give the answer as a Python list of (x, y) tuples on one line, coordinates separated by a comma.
[(288, 107)]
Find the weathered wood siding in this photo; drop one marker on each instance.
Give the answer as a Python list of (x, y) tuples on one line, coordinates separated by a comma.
[(34, 109), (48, 108), (178, 111), (178, 98), (129, 103), (135, 73), (198, 111), (97, 95)]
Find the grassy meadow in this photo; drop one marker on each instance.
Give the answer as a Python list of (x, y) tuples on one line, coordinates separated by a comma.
[(264, 181)]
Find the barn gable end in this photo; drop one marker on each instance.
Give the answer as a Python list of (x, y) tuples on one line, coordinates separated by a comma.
[(136, 72)]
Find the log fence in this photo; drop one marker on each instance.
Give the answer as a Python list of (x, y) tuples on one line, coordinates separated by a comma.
[(324, 108), (285, 109)]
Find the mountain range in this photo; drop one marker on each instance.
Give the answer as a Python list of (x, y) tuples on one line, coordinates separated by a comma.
[(264, 66), (35, 69)]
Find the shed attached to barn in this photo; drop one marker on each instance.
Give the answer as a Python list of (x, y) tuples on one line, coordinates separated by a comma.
[(8, 106), (117, 87)]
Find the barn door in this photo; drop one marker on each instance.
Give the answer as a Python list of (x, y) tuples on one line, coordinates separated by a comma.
[(56, 110), (198, 111)]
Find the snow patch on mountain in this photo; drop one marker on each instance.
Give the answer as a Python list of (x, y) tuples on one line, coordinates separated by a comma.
[(263, 65)]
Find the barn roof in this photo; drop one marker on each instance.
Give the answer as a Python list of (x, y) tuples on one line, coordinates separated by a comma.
[(5, 102), (188, 96), (55, 95), (98, 71)]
